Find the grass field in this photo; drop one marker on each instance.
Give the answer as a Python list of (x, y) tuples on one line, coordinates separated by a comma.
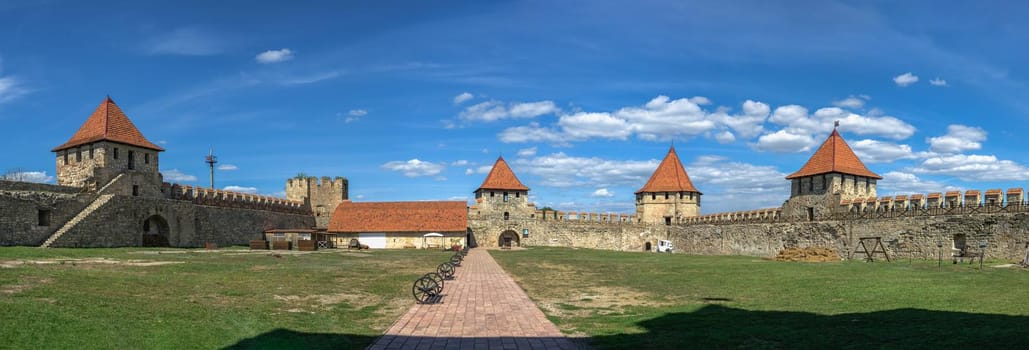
[(627, 300), (179, 299)]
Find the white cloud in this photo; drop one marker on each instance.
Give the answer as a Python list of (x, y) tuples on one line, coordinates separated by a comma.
[(460, 162), (360, 196), (725, 137), (959, 138), (973, 167), (28, 176), (354, 115), (602, 192), (495, 110), (728, 184), (783, 141), (228, 167), (582, 126), (885, 126), (479, 170), (241, 189), (938, 82), (174, 175), (899, 182), (414, 167), (531, 133), (905, 79), (874, 151), (462, 97), (187, 42), (700, 100), (11, 89), (751, 122), (274, 56), (852, 102), (561, 170), (527, 152)]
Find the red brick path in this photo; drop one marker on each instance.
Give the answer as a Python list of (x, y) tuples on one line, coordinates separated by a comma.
[(482, 308)]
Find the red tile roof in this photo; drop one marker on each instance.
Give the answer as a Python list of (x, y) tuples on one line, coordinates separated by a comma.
[(108, 123), (669, 176), (437, 216), (501, 177), (834, 156)]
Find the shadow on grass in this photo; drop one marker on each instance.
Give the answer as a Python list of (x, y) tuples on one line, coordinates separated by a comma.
[(720, 327)]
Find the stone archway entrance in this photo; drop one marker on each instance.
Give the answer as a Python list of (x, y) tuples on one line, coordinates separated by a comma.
[(155, 232), (469, 239), (646, 247), (508, 239)]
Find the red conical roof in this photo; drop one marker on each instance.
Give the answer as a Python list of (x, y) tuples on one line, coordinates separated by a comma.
[(670, 176), (108, 123), (501, 177), (834, 156)]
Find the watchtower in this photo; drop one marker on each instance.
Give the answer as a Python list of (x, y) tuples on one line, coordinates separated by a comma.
[(503, 195), (322, 197), (833, 173), (105, 146), (669, 196)]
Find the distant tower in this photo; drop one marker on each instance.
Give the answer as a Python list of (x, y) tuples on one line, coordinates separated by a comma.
[(669, 196), (211, 160), (833, 173), (105, 146), (502, 195), (322, 197)]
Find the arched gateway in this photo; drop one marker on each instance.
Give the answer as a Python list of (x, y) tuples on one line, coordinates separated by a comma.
[(155, 232), (508, 239)]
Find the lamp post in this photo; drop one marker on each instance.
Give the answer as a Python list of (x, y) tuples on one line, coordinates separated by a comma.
[(939, 253)]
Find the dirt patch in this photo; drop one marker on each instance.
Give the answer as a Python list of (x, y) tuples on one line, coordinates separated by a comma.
[(810, 254), (317, 301), (24, 285), (89, 261), (599, 301)]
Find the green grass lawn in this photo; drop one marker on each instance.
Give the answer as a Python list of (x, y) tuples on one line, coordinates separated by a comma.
[(627, 300), (230, 298)]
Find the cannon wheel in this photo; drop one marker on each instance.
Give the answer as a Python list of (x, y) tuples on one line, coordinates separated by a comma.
[(424, 290), (438, 280), (446, 270), (455, 260)]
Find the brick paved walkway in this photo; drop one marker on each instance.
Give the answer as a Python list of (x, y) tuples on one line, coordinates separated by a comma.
[(482, 308)]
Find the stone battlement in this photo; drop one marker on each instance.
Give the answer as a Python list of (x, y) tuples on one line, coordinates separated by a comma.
[(229, 199), (957, 201), (314, 182), (573, 216), (745, 216)]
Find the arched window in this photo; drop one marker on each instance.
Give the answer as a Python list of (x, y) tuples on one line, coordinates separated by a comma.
[(507, 215)]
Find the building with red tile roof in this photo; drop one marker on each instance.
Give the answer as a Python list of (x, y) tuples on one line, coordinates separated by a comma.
[(833, 173), (668, 196), (504, 199), (401, 224), (501, 177), (106, 145)]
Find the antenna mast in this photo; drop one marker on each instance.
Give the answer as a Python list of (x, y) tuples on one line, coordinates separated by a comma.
[(211, 159)]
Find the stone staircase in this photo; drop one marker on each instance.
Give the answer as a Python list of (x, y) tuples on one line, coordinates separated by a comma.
[(82, 215)]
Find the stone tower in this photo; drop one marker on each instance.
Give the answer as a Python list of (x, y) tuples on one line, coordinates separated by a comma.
[(833, 173), (501, 195), (105, 146), (322, 197), (669, 196)]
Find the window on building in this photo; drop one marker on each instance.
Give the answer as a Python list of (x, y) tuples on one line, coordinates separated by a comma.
[(653, 196), (135, 190), (491, 194), (132, 159), (810, 185), (44, 217), (116, 153), (825, 182), (680, 195), (505, 196), (810, 214), (666, 195), (78, 155), (668, 221), (146, 158), (507, 215), (867, 184), (65, 157), (90, 152), (518, 194)]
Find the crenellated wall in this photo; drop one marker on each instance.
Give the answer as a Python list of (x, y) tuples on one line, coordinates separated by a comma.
[(219, 198)]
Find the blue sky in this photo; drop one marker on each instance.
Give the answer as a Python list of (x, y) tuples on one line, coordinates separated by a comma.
[(414, 100)]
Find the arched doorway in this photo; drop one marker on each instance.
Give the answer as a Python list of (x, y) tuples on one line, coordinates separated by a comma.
[(469, 239), (508, 239), (155, 232), (646, 246)]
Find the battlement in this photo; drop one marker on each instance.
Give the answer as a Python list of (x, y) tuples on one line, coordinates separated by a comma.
[(337, 183), (585, 216), (938, 203), (229, 199), (745, 216)]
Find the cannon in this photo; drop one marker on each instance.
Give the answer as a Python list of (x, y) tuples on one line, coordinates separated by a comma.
[(446, 270), (428, 288), (456, 260)]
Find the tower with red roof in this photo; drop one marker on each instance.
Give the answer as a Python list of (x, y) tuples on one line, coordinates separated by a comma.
[(106, 145), (669, 196), (833, 173)]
